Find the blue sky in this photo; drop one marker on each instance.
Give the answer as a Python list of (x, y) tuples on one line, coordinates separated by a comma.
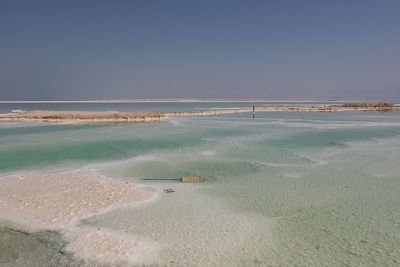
[(73, 50)]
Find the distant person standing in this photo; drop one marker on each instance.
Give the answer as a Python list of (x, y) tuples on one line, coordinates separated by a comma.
[(254, 111)]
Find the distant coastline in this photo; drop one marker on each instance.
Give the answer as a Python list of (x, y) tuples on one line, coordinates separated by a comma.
[(172, 100), (117, 116)]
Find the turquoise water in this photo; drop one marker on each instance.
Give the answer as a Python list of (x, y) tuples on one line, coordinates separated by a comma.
[(284, 189)]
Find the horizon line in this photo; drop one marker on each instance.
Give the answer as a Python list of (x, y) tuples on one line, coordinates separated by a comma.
[(178, 100)]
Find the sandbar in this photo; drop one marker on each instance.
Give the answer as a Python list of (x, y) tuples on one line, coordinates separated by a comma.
[(118, 116)]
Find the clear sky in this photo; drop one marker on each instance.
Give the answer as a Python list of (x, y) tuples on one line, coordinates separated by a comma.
[(72, 50)]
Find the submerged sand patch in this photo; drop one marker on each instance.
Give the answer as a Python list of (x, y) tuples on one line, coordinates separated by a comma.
[(59, 200)]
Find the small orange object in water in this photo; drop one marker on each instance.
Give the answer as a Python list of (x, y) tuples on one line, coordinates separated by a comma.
[(192, 179)]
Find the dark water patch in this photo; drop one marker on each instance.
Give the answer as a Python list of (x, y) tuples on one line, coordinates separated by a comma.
[(21, 248)]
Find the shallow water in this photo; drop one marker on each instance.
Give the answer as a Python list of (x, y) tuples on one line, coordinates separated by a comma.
[(284, 189), (22, 248)]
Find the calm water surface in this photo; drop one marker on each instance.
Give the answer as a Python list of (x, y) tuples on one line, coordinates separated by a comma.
[(284, 189)]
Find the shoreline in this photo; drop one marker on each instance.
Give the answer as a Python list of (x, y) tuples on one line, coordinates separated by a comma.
[(58, 201), (107, 116), (110, 116)]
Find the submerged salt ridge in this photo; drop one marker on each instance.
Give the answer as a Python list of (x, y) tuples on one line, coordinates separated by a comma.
[(284, 189)]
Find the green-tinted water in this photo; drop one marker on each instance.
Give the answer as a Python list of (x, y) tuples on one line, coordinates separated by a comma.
[(285, 189)]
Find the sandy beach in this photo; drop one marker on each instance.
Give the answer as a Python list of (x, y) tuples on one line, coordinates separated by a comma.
[(82, 116), (106, 116), (57, 201)]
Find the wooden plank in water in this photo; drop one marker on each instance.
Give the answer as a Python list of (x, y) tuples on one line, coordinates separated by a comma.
[(192, 179)]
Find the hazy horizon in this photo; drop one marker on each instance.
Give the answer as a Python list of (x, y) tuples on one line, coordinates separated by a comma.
[(188, 100), (102, 50)]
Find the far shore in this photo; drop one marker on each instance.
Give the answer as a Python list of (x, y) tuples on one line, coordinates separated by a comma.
[(111, 116), (305, 100)]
